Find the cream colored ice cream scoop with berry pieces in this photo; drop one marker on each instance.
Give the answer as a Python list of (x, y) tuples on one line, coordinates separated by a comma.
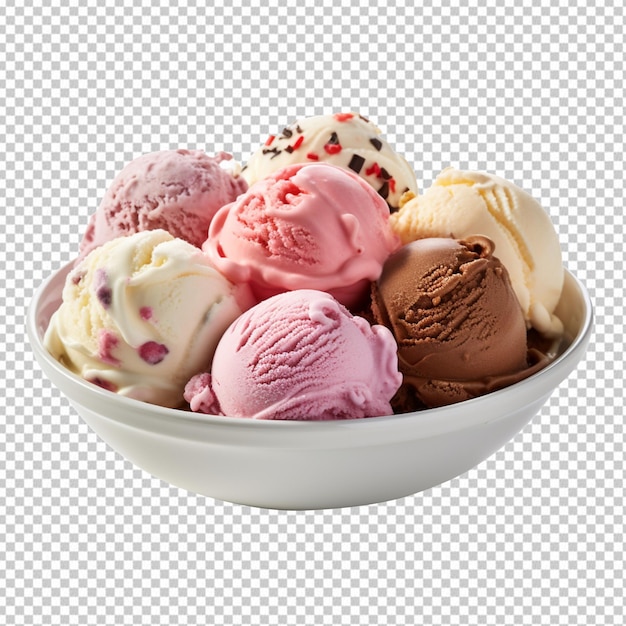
[(141, 314)]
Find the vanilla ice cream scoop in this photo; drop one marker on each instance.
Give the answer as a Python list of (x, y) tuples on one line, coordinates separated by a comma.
[(464, 203), (347, 140), (141, 314)]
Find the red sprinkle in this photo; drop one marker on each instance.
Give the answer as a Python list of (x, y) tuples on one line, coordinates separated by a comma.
[(375, 169), (343, 117), (333, 148), (298, 142), (392, 185), (312, 156), (270, 139)]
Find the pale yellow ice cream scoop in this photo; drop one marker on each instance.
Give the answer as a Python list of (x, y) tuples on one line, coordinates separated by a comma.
[(464, 203), (141, 314)]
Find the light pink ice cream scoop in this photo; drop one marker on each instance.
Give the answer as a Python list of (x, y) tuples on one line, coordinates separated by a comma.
[(306, 226), (175, 190), (300, 355)]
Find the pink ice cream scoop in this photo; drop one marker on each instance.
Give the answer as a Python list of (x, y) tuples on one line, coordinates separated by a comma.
[(175, 190), (306, 226), (299, 355)]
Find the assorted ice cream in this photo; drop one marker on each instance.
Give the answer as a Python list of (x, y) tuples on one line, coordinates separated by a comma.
[(347, 140), (315, 284)]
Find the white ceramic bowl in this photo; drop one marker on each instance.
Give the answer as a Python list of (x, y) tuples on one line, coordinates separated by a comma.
[(310, 465)]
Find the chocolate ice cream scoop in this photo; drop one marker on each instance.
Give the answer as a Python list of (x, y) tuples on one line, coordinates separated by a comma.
[(459, 326)]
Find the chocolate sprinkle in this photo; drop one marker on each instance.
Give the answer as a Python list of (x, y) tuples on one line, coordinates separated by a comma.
[(287, 132), (384, 190), (385, 174), (377, 143), (356, 163), (273, 151), (334, 139)]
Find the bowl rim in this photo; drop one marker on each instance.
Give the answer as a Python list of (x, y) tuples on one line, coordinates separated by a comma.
[(432, 420)]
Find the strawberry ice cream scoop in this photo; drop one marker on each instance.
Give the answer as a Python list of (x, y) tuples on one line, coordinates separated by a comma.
[(176, 190), (299, 355), (306, 226)]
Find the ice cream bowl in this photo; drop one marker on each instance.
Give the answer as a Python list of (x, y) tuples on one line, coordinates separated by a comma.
[(311, 465)]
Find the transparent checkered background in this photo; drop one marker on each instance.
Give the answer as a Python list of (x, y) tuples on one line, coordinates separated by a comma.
[(534, 93)]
